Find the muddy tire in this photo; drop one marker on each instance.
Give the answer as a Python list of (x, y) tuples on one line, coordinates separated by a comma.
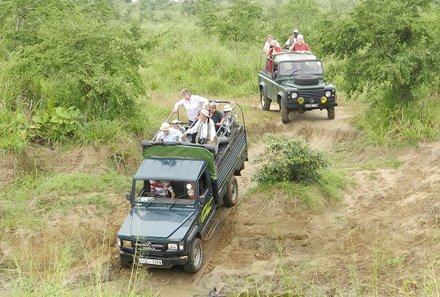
[(284, 114), (264, 101), (331, 113), (196, 256), (125, 263), (231, 197)]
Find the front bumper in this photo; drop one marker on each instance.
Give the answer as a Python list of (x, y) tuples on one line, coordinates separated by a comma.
[(166, 262)]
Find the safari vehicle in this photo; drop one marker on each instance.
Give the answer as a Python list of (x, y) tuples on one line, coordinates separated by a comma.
[(163, 232), (296, 82)]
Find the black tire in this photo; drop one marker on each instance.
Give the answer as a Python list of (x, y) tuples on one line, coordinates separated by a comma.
[(125, 263), (231, 197), (284, 114), (331, 113), (264, 101), (196, 256)]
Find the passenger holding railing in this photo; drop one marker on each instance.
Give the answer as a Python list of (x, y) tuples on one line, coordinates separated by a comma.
[(192, 104), (228, 119), (168, 134), (273, 50), (300, 45), (215, 115), (204, 129)]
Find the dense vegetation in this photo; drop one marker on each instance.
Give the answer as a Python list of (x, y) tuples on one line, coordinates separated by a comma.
[(107, 72), (70, 68)]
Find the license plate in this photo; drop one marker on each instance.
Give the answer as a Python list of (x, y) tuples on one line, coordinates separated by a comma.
[(150, 261), (312, 105)]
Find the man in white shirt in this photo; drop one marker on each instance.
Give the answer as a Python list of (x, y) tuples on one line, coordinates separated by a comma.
[(192, 104), (292, 39), (204, 128), (168, 134)]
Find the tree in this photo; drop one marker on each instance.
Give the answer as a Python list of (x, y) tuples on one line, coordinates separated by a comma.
[(240, 20), (396, 53), (71, 53)]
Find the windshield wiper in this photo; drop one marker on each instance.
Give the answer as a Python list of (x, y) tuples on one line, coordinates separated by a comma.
[(295, 71)]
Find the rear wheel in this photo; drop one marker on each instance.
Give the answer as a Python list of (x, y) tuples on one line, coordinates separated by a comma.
[(331, 113), (284, 114), (264, 101), (195, 257), (231, 196)]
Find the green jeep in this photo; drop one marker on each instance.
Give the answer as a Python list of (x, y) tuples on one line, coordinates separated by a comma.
[(296, 82)]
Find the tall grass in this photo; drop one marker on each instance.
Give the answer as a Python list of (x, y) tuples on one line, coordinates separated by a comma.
[(402, 123), (24, 201), (187, 58)]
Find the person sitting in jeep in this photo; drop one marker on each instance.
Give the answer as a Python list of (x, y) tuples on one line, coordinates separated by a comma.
[(204, 128), (161, 188), (300, 45)]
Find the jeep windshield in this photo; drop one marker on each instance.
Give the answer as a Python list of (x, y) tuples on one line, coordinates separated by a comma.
[(164, 192), (291, 68)]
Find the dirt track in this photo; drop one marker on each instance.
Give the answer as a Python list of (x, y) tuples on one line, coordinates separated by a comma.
[(382, 239), (386, 229)]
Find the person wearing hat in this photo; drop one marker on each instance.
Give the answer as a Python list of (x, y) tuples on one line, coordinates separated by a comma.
[(176, 124), (300, 45), (168, 134), (204, 128), (292, 39), (192, 104), (227, 120), (216, 115)]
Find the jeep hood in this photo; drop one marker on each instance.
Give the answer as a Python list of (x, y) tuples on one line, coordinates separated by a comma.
[(319, 85), (157, 222)]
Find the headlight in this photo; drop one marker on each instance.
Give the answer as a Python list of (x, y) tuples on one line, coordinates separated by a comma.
[(125, 243), (323, 100), (294, 95), (181, 245), (328, 94), (119, 242), (300, 100), (172, 246)]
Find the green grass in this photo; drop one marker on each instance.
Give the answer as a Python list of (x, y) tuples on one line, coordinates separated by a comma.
[(403, 124), (381, 162), (28, 198)]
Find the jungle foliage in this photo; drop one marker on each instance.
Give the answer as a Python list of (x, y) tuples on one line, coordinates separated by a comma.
[(105, 59), (392, 58)]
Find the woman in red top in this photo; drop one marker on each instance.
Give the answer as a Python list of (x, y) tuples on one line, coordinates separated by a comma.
[(300, 45), (273, 50)]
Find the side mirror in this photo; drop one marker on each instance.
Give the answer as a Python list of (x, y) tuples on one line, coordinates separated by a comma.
[(127, 196)]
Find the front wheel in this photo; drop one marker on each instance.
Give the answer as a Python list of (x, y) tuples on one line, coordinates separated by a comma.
[(284, 114), (195, 257), (231, 196), (125, 262), (331, 113), (264, 101)]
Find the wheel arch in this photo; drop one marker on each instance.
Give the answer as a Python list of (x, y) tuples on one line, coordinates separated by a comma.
[(263, 87)]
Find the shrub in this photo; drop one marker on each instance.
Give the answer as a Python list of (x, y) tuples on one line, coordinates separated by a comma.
[(290, 160), (12, 132), (57, 125)]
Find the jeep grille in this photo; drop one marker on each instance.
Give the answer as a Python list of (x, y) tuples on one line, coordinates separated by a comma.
[(315, 94), (149, 246)]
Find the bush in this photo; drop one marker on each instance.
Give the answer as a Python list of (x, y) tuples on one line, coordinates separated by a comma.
[(93, 66), (57, 125), (12, 132), (290, 160)]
